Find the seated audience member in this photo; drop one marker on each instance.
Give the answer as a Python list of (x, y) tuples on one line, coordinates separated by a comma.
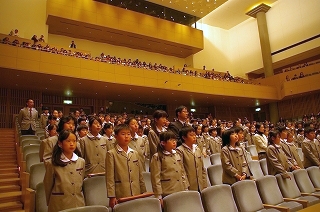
[(233, 160), (6, 40), (72, 45), (34, 38), (277, 161), (14, 33), (124, 174), (41, 39), (310, 148)]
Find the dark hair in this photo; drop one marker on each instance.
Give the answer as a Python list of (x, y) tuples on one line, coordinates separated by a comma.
[(80, 119), (165, 136), (94, 118), (212, 129), (307, 130), (107, 126), (51, 126), (272, 134), (237, 129), (64, 120), (51, 117), (179, 109), (258, 125), (281, 129), (82, 126), (159, 113), (226, 137), (57, 150), (184, 132), (127, 122), (300, 130), (120, 127), (204, 126)]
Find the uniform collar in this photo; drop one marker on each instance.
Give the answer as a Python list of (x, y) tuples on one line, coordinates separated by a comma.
[(121, 150), (92, 137), (74, 158), (165, 152)]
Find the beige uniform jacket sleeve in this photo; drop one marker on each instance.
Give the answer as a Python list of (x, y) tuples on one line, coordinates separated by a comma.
[(155, 167), (48, 180), (260, 143), (110, 182), (273, 157), (153, 143), (227, 163), (306, 149)]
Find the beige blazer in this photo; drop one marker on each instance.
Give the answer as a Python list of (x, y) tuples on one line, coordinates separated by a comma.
[(214, 145), (193, 165), (233, 162), (153, 143), (261, 142), (138, 144), (94, 153), (43, 120), (25, 120), (123, 174), (63, 185), (292, 154), (167, 174), (48, 145), (277, 161), (311, 152)]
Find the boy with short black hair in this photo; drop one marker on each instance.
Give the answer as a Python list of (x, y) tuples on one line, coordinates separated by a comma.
[(191, 156), (124, 172), (310, 148)]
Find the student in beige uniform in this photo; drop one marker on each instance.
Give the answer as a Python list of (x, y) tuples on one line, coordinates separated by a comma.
[(261, 141), (202, 145), (157, 127), (167, 171), (52, 130), (44, 118), (249, 137), (27, 118), (94, 148), (124, 173), (191, 156), (137, 143), (108, 134), (66, 123), (277, 161), (310, 148), (64, 175), (233, 160), (214, 142), (293, 150)]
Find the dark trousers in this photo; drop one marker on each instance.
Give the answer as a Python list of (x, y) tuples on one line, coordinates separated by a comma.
[(28, 132)]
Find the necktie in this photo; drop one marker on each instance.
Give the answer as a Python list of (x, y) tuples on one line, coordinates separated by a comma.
[(30, 112)]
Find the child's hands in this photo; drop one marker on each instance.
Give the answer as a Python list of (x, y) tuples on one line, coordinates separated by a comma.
[(112, 202)]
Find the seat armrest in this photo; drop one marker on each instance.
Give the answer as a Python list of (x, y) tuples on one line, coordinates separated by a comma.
[(317, 189), (310, 194), (254, 157), (144, 195), (29, 204), (96, 174), (25, 183), (280, 208), (301, 201)]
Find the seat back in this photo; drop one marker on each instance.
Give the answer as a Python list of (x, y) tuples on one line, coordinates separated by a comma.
[(25, 137), (215, 159), (30, 149), (41, 202), (95, 191), (215, 174), (37, 172), (31, 159), (93, 208), (246, 196), (300, 153), (147, 164), (269, 190), (143, 205), (218, 198), (303, 181), (255, 169), (147, 181), (252, 149), (206, 162), (28, 142), (288, 188), (314, 175), (264, 166), (183, 201)]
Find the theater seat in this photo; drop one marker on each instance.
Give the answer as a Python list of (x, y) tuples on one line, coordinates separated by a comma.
[(264, 166), (95, 191), (41, 202), (183, 201), (314, 175), (143, 205), (253, 152), (215, 159), (255, 169), (218, 198), (215, 174), (147, 181), (304, 183), (94, 208)]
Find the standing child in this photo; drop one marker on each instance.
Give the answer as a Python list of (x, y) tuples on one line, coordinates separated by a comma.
[(52, 130), (310, 148), (214, 142), (108, 134), (191, 156), (167, 170), (124, 173), (93, 148), (233, 160), (200, 140), (64, 175)]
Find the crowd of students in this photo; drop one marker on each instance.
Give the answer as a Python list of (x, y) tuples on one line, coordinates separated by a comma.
[(79, 146), (38, 44)]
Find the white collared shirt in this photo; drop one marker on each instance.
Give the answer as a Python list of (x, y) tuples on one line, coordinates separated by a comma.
[(92, 136), (165, 152), (194, 146), (121, 150), (74, 158)]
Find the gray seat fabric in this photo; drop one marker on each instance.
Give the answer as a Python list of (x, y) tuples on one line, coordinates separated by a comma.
[(147, 181), (314, 175), (25, 137), (95, 191), (264, 166), (28, 142), (215, 174), (215, 159), (30, 149), (246, 196), (183, 201), (252, 150), (218, 198), (206, 162), (255, 169), (41, 202), (37, 172), (289, 189), (143, 205), (271, 194), (303, 181), (31, 159), (94, 208)]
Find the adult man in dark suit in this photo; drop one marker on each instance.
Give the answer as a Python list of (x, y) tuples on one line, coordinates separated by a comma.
[(175, 127), (27, 118)]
